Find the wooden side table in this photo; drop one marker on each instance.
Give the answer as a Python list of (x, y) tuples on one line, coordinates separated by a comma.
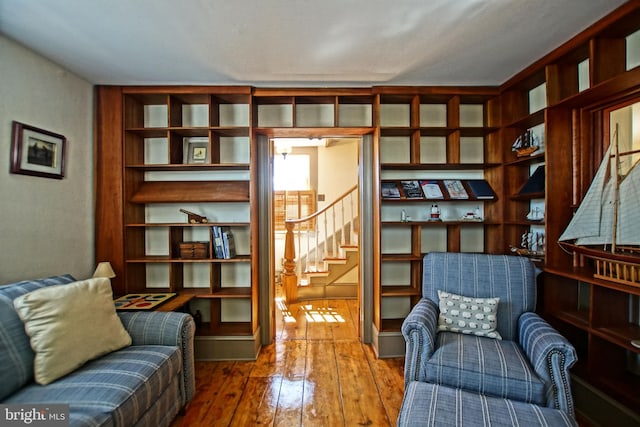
[(177, 303)]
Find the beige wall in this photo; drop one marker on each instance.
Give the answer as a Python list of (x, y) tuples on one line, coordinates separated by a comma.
[(337, 169), (46, 225)]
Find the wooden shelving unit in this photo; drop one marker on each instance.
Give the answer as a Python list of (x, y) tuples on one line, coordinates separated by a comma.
[(582, 78), (146, 174), (432, 134), (417, 133)]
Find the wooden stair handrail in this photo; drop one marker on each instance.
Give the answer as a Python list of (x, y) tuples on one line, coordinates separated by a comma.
[(321, 211), (289, 277)]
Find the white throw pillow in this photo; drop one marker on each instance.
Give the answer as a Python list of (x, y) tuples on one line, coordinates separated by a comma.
[(69, 325), (468, 315)]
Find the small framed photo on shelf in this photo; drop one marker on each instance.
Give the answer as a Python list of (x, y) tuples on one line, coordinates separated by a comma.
[(37, 152), (196, 150)]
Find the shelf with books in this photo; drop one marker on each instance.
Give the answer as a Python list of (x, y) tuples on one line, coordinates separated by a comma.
[(164, 149), (438, 166), (434, 190), (594, 71), (426, 141)]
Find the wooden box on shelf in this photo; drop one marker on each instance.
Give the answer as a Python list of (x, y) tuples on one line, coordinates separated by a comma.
[(194, 250)]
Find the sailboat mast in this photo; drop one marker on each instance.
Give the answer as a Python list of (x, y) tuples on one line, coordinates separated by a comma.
[(616, 191)]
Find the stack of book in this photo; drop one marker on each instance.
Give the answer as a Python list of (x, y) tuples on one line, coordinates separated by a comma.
[(223, 243)]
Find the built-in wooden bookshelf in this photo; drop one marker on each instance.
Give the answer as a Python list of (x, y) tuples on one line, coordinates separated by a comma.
[(439, 135), (172, 148), (145, 173), (595, 70)]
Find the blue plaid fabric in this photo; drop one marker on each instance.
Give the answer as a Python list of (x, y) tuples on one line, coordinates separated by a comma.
[(164, 328), (426, 404), (420, 330), (16, 356), (550, 354), (488, 366), (145, 384), (510, 278), (115, 389), (531, 364)]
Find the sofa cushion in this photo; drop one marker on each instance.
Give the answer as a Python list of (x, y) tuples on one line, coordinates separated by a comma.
[(114, 389), (69, 325), (480, 365), (429, 404), (466, 315), (16, 356)]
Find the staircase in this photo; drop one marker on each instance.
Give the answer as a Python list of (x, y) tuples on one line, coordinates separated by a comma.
[(327, 246)]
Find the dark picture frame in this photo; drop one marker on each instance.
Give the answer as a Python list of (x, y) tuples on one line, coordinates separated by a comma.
[(37, 152)]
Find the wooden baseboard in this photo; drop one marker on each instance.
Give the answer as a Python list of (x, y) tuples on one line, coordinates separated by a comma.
[(218, 348), (388, 344)]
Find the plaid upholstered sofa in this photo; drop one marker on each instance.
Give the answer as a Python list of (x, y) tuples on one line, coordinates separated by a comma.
[(143, 384), (530, 362)]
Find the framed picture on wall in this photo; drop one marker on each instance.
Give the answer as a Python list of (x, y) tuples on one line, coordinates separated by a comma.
[(196, 150), (37, 152)]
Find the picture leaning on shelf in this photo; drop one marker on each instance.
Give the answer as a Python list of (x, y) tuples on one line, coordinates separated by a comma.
[(390, 190), (432, 190), (411, 189), (535, 183), (196, 150), (480, 189), (455, 189)]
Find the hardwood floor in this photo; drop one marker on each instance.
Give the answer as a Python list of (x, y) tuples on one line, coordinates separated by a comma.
[(316, 373)]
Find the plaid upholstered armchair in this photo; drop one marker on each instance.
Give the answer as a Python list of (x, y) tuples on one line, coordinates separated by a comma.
[(455, 337)]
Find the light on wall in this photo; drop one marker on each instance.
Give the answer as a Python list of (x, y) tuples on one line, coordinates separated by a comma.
[(283, 149), (104, 269)]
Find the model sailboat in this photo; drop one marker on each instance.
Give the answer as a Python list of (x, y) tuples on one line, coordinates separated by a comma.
[(605, 226), (526, 144)]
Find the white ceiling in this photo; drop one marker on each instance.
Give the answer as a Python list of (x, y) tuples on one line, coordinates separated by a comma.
[(297, 43)]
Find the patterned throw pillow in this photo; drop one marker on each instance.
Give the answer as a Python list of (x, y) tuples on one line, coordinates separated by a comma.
[(468, 315)]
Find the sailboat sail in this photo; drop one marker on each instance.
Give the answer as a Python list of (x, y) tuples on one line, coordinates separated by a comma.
[(604, 228), (587, 219), (593, 222), (629, 206)]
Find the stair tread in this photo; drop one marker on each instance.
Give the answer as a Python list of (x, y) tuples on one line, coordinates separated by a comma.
[(316, 273)]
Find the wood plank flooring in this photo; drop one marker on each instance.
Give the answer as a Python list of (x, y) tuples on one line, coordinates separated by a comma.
[(316, 373)]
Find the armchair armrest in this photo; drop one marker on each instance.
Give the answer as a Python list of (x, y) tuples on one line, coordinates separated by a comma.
[(165, 328), (419, 330), (551, 356)]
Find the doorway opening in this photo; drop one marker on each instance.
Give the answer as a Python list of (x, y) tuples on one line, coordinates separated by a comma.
[(315, 181)]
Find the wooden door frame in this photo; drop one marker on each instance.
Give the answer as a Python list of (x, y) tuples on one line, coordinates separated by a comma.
[(266, 265)]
